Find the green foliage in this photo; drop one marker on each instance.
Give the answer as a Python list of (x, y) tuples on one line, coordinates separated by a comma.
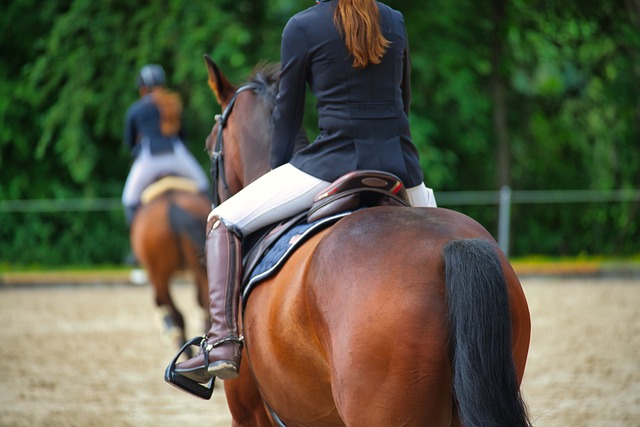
[(570, 72), (55, 239)]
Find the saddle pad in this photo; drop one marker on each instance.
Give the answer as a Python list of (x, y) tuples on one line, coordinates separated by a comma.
[(275, 257), (167, 183)]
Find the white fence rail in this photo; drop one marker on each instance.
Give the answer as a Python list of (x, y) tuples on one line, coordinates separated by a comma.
[(504, 198)]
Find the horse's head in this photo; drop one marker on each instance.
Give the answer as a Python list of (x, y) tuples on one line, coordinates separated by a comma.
[(244, 136)]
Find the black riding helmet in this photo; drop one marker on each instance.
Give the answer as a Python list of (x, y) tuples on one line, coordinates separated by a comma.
[(151, 75)]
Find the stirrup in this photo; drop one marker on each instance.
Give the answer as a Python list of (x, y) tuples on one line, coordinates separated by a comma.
[(186, 384)]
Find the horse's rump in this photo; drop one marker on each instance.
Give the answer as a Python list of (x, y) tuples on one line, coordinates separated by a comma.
[(360, 310), (173, 223)]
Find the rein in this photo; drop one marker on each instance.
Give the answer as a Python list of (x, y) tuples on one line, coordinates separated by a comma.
[(217, 156)]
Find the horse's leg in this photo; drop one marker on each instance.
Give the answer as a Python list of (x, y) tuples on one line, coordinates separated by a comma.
[(190, 226), (282, 348), (244, 400), (416, 396), (160, 257), (374, 343), (171, 319)]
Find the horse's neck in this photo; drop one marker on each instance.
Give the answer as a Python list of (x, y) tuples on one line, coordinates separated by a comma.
[(255, 164), (254, 141), (242, 166), (255, 151)]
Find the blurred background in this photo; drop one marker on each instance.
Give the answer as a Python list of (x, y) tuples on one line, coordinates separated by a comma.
[(538, 98)]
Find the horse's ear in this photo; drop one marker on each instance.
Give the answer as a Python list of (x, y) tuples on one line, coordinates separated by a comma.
[(218, 82)]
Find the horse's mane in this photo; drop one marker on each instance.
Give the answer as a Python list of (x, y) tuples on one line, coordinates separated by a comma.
[(265, 78)]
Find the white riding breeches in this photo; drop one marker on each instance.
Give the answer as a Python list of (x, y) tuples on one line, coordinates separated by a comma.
[(284, 192), (147, 168), (422, 196)]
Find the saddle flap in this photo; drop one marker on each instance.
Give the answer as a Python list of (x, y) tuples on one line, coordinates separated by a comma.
[(256, 249), (271, 253), (359, 189)]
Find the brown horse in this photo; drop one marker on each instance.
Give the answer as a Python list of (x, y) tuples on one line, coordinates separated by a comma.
[(393, 316), (167, 236)]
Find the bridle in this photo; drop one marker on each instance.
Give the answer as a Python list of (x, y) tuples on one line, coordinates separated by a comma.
[(217, 155)]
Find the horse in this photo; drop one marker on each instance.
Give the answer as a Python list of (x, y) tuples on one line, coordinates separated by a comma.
[(392, 316), (167, 236)]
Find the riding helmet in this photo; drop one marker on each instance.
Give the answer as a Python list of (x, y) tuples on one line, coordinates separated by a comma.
[(151, 75)]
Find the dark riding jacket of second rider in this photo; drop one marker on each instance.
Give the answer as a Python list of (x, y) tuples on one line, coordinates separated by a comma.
[(157, 150)]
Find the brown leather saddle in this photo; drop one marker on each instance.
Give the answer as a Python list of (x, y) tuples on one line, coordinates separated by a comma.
[(355, 190)]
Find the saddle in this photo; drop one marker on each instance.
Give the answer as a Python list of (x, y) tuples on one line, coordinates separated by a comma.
[(359, 189), (266, 252), (167, 183)]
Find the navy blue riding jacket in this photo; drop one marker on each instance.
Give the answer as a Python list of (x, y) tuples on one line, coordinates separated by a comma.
[(362, 114), (143, 120)]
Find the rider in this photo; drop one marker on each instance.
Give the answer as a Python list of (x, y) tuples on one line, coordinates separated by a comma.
[(355, 56), (154, 133)]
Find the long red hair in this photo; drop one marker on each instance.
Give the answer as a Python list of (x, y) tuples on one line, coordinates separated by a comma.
[(170, 106), (359, 22)]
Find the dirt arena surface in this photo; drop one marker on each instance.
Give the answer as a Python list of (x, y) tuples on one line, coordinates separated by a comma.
[(94, 356)]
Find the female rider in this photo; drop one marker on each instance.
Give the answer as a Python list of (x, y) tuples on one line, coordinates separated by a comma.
[(154, 133), (355, 57)]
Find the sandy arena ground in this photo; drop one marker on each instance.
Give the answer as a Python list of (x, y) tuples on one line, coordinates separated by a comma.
[(92, 356)]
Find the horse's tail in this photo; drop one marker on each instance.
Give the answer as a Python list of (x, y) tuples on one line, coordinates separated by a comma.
[(190, 230), (485, 384)]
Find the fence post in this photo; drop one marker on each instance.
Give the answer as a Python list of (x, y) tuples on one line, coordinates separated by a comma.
[(504, 218)]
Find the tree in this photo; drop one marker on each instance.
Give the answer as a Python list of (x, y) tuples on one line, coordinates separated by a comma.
[(538, 94)]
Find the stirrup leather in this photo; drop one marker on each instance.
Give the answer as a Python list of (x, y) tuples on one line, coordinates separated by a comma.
[(186, 384), (206, 347)]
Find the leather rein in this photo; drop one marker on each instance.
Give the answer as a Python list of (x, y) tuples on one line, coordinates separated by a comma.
[(217, 156)]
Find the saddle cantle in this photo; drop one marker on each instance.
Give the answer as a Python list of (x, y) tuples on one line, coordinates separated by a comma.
[(353, 191), (359, 189)]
